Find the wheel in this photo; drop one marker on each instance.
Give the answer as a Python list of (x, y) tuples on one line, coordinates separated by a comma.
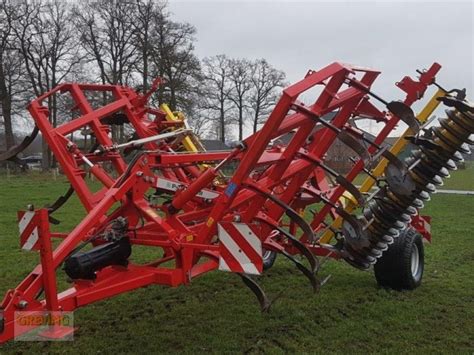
[(268, 259), (401, 266)]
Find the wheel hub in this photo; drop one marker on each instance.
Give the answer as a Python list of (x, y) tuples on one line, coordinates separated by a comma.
[(415, 260)]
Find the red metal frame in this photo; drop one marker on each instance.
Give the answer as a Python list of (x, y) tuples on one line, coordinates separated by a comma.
[(185, 229)]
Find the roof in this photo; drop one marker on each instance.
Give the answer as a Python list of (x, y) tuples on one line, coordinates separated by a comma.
[(214, 144)]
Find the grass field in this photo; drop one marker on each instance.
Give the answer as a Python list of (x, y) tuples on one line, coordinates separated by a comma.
[(216, 313), (461, 179)]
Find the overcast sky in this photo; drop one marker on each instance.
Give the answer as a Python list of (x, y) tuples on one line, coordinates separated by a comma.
[(394, 37)]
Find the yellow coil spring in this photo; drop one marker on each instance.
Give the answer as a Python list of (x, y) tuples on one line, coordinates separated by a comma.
[(389, 212)]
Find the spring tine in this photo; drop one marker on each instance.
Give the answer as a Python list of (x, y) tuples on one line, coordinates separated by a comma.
[(290, 212), (339, 178), (61, 200), (13, 151), (53, 220), (306, 111), (325, 259), (326, 279), (313, 261), (258, 291), (310, 275), (341, 212)]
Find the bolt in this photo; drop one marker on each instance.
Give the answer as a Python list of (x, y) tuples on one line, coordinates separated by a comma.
[(236, 218), (139, 173), (30, 207), (22, 304)]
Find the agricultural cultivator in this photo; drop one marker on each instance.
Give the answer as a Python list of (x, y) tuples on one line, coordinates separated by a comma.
[(160, 189)]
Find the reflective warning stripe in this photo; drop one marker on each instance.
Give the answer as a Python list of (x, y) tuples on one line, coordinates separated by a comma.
[(240, 249), (29, 234), (25, 220), (246, 240), (31, 241)]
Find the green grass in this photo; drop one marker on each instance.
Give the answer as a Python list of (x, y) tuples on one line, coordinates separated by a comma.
[(216, 313), (461, 179)]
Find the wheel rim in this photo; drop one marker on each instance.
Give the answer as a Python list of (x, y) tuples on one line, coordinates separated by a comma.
[(415, 260), (266, 254)]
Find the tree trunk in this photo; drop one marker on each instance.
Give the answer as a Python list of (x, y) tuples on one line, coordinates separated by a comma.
[(255, 122), (6, 109), (241, 124), (173, 100), (145, 63), (54, 114), (222, 121)]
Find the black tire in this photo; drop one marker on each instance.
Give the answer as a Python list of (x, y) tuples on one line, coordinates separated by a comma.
[(268, 258), (401, 266)]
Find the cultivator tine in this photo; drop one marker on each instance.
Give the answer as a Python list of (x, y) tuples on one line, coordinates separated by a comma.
[(61, 200), (262, 298), (325, 259), (343, 136), (291, 213), (383, 151), (351, 188), (313, 261), (14, 151), (341, 212), (307, 272), (325, 280)]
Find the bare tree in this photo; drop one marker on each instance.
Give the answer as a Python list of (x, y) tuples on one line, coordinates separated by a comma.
[(148, 12), (241, 78), (266, 81), (7, 18), (108, 35), (218, 87), (47, 43), (173, 59)]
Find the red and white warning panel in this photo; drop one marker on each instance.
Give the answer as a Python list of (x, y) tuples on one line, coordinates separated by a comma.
[(28, 223), (240, 248)]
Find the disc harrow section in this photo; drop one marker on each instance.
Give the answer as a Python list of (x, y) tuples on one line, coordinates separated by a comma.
[(391, 209)]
